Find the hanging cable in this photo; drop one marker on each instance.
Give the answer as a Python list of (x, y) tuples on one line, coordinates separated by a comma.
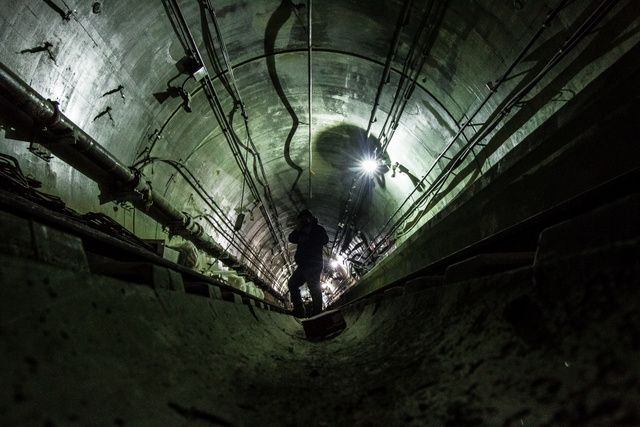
[(353, 204), (412, 67), (247, 250), (259, 171), (497, 116), (227, 129)]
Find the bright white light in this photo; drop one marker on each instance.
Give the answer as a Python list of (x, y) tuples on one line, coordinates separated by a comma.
[(369, 166), (334, 263)]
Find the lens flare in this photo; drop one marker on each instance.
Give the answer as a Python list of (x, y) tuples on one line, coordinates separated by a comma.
[(369, 166)]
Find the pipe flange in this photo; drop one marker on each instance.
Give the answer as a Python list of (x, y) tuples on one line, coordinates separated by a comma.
[(199, 231), (186, 224), (54, 119), (191, 226), (136, 184)]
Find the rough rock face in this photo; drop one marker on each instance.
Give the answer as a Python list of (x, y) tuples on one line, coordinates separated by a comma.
[(553, 344)]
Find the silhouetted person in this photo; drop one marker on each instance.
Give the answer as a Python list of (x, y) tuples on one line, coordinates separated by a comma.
[(310, 238)]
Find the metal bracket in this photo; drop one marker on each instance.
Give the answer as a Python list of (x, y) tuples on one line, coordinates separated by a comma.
[(119, 89), (40, 151), (125, 192), (54, 119)]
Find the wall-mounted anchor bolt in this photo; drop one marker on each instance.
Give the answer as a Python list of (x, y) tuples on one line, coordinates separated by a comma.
[(186, 99), (44, 47), (107, 112), (119, 89), (491, 86), (156, 135), (474, 125), (66, 16)]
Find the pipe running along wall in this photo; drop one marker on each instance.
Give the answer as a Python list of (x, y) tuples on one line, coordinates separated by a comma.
[(116, 181)]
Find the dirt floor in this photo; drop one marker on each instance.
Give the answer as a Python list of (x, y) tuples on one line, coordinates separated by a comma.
[(554, 344)]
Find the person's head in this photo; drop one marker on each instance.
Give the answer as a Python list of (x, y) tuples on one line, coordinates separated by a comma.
[(306, 217)]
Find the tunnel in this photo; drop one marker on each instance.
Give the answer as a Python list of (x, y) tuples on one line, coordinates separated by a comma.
[(475, 164)]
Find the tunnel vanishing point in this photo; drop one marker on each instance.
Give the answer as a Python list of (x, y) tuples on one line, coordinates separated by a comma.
[(474, 162)]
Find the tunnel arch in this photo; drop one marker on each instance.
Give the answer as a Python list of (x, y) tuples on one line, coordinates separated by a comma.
[(474, 42)]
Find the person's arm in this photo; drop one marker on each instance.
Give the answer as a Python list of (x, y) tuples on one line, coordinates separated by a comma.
[(320, 235), (325, 238)]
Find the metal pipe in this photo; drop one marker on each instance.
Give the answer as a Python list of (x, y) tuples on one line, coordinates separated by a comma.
[(75, 143), (188, 176), (81, 151), (226, 127)]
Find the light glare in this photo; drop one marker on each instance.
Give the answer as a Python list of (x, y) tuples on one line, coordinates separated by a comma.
[(369, 166)]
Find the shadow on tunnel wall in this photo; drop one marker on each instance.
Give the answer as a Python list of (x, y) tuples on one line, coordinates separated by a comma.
[(342, 148), (279, 17)]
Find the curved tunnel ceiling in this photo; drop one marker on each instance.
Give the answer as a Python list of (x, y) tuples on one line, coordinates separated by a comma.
[(467, 45)]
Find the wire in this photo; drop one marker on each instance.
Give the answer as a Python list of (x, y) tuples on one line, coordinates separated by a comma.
[(353, 204), (261, 177), (248, 252), (412, 67), (569, 44), (227, 128)]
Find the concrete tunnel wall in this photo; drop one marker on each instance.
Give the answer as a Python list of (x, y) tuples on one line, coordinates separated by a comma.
[(135, 45), (554, 164), (545, 345), (550, 344)]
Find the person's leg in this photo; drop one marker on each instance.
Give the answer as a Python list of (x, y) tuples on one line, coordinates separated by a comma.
[(316, 296), (312, 277), (295, 281)]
